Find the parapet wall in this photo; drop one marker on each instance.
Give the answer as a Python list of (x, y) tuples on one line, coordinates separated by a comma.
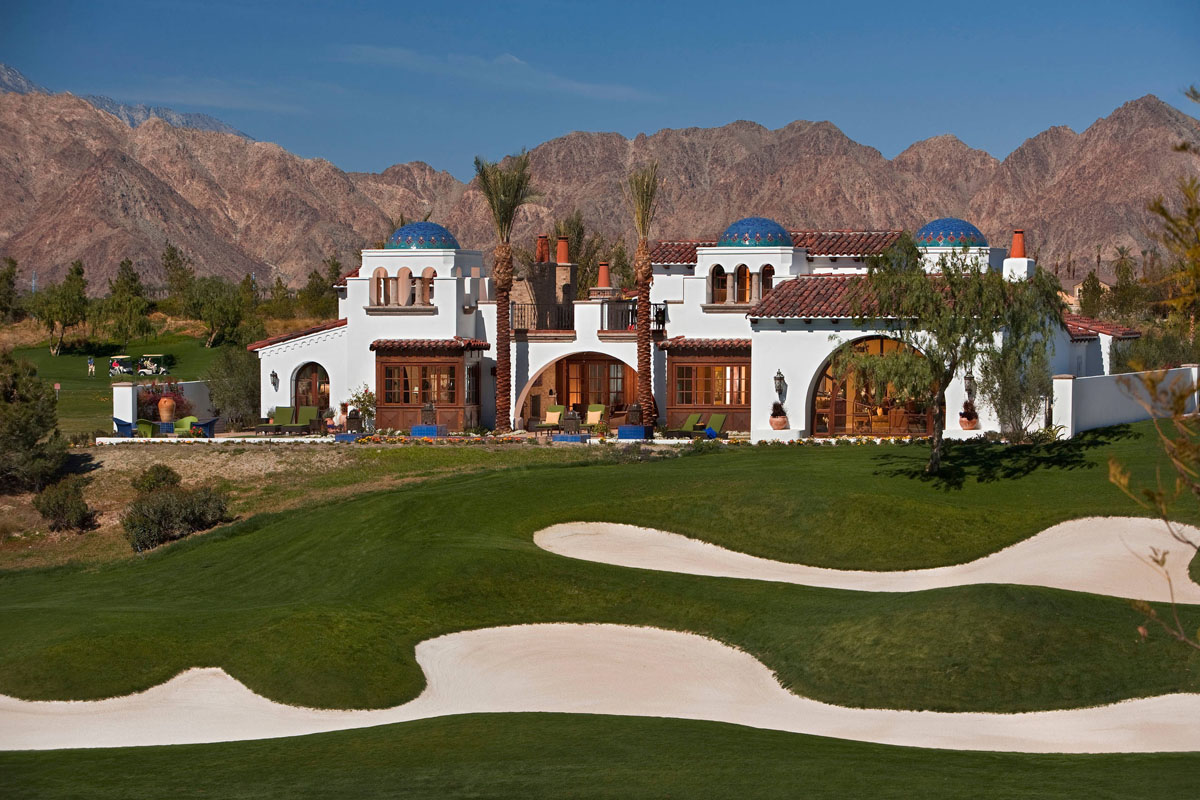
[(1082, 404)]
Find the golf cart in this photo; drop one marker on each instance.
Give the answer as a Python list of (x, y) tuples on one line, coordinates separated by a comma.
[(120, 365), (155, 364)]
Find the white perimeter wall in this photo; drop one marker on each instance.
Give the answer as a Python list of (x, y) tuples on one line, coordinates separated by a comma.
[(1082, 404)]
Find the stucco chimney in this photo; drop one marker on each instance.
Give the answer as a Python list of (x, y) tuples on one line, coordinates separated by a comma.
[(542, 253), (1018, 244), (563, 255)]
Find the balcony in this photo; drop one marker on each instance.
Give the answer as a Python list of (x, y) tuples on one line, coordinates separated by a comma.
[(621, 315), (535, 317)]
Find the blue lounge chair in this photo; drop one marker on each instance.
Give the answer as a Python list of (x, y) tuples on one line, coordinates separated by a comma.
[(123, 428)]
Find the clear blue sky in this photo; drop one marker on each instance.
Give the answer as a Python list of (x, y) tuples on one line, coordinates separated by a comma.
[(378, 83)]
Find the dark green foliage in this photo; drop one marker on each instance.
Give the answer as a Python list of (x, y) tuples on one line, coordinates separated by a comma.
[(1091, 296), (31, 450), (62, 504), (154, 477), (248, 294), (217, 304), (281, 304), (1127, 298), (318, 298), (9, 298), (62, 306), (177, 269), (1156, 349), (233, 385), (171, 513), (126, 308)]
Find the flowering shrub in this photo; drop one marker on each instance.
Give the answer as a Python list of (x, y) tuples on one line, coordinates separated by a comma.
[(149, 395)]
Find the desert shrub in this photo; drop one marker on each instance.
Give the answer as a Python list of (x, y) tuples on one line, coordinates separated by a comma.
[(168, 514), (155, 476), (32, 451), (1155, 349), (62, 505)]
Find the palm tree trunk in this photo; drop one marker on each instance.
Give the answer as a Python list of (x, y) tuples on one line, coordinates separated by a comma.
[(502, 273), (643, 270)]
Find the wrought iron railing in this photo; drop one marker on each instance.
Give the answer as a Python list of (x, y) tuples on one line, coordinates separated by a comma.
[(536, 317), (621, 315)]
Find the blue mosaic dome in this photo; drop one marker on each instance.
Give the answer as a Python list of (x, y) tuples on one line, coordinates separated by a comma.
[(755, 232), (421, 236), (949, 232)]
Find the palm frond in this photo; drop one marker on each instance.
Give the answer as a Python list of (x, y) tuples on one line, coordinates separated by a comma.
[(506, 189), (641, 197)]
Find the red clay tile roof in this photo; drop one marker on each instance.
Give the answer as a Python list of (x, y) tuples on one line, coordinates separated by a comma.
[(815, 296), (684, 343), (1081, 328), (351, 274), (337, 323), (818, 243), (424, 345)]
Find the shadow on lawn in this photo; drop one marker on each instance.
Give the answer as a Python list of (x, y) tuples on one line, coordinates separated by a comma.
[(985, 462)]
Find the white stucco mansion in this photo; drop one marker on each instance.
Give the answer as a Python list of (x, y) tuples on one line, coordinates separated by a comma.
[(740, 322)]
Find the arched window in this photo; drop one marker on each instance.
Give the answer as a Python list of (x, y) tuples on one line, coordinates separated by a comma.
[(311, 387), (741, 284), (404, 287), (427, 276), (766, 279), (847, 401), (717, 289), (380, 290)]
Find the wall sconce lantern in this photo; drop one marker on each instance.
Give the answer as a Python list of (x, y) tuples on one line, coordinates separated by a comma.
[(780, 384), (275, 380), (971, 387)]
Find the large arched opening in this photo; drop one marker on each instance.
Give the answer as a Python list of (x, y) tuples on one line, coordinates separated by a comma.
[(579, 382), (310, 386), (845, 402)]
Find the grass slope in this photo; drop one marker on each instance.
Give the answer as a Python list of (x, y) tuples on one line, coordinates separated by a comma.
[(323, 606), (85, 404), (553, 756)]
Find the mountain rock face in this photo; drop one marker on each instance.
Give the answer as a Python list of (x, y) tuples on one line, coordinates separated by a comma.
[(77, 182)]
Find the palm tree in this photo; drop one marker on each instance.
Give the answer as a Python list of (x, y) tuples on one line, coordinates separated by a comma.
[(506, 189), (641, 195)]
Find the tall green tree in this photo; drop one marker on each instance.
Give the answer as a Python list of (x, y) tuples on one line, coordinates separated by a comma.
[(281, 304), (318, 298), (233, 384), (586, 249), (1091, 296), (178, 273), (32, 453), (62, 306), (217, 304), (641, 197), (126, 310), (946, 317), (1126, 298), (506, 189), (9, 298)]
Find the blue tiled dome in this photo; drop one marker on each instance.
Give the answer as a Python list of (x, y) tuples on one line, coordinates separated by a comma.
[(949, 232), (422, 236), (755, 232)]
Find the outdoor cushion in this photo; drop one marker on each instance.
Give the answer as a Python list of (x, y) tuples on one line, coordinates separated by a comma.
[(304, 419), (595, 414), (715, 423), (688, 428), (283, 415), (146, 428), (552, 417)]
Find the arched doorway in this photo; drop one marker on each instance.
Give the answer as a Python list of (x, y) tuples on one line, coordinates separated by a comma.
[(311, 386), (847, 403), (578, 381)]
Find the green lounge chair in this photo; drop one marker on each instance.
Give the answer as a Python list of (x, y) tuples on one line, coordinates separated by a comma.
[(304, 420), (146, 428), (283, 416), (185, 424), (716, 423), (688, 428), (553, 420), (595, 415)]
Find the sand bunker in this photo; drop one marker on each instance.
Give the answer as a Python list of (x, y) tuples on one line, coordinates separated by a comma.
[(1098, 555), (590, 669)]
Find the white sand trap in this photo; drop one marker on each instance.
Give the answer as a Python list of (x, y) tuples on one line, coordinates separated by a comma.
[(590, 669), (1097, 554)]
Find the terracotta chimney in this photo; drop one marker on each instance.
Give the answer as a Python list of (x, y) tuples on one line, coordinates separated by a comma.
[(563, 255), (542, 254), (602, 279), (1018, 245)]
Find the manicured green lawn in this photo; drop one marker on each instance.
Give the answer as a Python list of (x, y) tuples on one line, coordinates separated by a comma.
[(557, 756), (85, 404), (324, 606)]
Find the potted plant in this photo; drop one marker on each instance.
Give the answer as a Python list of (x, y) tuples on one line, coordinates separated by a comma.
[(779, 420), (968, 419)]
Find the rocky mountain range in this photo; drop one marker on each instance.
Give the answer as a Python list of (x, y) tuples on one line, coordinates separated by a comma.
[(77, 182), (12, 80)]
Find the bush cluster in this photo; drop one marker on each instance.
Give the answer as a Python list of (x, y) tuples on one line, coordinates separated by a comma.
[(165, 515), (154, 477), (62, 504)]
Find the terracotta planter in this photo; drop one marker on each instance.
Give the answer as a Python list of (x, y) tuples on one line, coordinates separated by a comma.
[(968, 424), (779, 423), (166, 409)]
